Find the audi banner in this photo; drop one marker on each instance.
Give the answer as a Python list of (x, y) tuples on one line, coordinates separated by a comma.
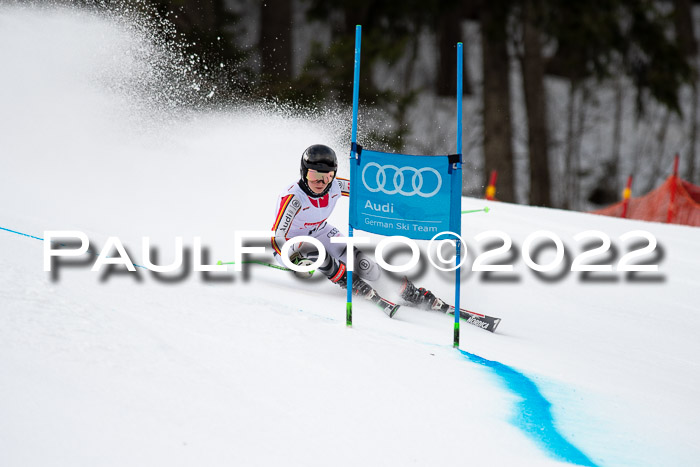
[(412, 196)]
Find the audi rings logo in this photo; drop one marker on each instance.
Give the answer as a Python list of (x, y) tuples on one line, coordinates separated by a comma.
[(400, 177)]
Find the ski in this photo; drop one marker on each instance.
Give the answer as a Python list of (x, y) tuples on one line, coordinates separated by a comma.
[(425, 299), (385, 305), (262, 263)]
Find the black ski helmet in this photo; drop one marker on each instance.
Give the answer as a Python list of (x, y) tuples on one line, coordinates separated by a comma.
[(320, 158)]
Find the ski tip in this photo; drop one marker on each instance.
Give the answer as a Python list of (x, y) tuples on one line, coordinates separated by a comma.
[(219, 263)]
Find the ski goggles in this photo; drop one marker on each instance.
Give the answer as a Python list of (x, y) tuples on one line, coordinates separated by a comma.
[(316, 176)]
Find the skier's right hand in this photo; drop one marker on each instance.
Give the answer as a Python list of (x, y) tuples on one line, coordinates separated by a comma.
[(297, 259)]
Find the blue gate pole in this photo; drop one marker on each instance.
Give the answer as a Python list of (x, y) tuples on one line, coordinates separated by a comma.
[(353, 156), (458, 243)]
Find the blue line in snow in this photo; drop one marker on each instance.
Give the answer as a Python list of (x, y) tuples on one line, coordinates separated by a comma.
[(39, 238), (20, 233), (533, 415)]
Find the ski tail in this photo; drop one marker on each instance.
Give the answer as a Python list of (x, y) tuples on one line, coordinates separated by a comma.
[(390, 308), (370, 294)]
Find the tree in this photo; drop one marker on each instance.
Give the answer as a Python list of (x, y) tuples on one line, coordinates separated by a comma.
[(276, 43), (532, 66), (683, 20), (498, 148), (448, 31), (390, 31)]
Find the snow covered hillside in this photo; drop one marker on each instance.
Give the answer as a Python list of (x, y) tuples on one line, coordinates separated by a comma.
[(257, 367)]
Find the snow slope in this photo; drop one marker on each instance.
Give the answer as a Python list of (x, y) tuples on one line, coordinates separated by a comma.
[(258, 368)]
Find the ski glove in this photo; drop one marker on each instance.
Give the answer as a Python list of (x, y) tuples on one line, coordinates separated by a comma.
[(298, 260)]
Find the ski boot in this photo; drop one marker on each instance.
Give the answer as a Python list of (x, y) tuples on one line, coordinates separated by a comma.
[(338, 275), (421, 297), (360, 288)]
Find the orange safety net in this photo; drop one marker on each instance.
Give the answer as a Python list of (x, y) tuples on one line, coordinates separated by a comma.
[(675, 197)]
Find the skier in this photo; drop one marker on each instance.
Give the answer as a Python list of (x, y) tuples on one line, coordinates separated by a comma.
[(303, 209)]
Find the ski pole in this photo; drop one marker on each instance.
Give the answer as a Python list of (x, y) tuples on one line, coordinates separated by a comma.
[(262, 263), (486, 209)]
